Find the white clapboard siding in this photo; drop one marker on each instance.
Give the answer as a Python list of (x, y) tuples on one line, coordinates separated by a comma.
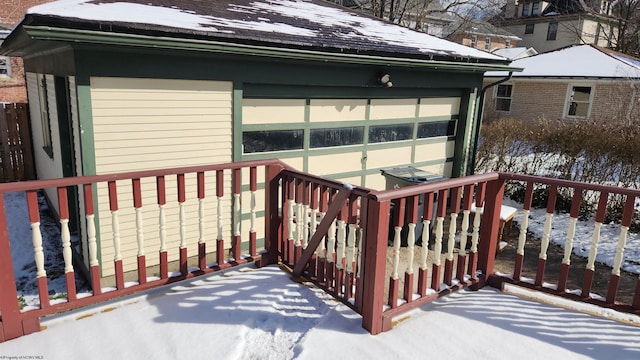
[(144, 124)]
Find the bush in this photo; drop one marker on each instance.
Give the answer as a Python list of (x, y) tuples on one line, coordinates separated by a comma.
[(602, 152)]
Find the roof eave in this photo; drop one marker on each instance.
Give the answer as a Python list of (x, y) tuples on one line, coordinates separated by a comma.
[(54, 34)]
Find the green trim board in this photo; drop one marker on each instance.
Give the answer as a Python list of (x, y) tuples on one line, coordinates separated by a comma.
[(119, 39)]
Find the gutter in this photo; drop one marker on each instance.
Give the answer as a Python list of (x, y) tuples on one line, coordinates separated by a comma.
[(96, 37), (480, 108)]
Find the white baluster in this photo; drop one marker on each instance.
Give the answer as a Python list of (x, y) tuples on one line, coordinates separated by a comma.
[(593, 251), (568, 245), (291, 220), (201, 222), (300, 220), (331, 241), (115, 227), (342, 237), (139, 231), (451, 242), (253, 212), (437, 247), (321, 247), (544, 242), (162, 228), (360, 233), (306, 227), (219, 218), (65, 236), (622, 242), (236, 214), (464, 228), (183, 226), (38, 251), (91, 240), (476, 230), (411, 242), (426, 234), (351, 244), (396, 251), (524, 226)]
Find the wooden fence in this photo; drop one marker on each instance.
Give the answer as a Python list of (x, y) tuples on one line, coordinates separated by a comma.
[(16, 157)]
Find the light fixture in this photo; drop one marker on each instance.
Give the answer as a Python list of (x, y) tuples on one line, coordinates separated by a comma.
[(385, 80)]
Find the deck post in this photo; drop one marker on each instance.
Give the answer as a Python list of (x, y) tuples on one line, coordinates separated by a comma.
[(489, 226), (10, 327), (375, 257), (273, 223)]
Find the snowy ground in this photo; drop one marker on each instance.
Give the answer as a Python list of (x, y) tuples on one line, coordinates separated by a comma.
[(261, 314)]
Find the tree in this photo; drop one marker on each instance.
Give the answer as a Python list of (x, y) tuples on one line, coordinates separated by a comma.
[(628, 13), (416, 13)]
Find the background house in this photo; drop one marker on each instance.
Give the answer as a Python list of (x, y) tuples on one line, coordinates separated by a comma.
[(12, 82), (549, 25), (480, 35), (135, 85), (577, 82)]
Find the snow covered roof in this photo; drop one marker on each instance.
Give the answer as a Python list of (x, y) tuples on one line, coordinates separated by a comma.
[(302, 24), (515, 53), (579, 61)]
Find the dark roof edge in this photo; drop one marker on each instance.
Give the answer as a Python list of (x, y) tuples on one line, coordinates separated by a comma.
[(48, 33)]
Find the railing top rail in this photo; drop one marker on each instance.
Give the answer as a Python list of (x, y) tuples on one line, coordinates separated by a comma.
[(80, 180), (571, 183), (336, 184), (434, 186)]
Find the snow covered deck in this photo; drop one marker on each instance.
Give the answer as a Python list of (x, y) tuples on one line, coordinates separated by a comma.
[(253, 313)]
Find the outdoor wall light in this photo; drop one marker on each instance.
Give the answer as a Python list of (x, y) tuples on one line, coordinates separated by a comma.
[(385, 80)]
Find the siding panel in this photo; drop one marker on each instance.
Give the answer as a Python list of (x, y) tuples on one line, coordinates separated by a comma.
[(144, 124)]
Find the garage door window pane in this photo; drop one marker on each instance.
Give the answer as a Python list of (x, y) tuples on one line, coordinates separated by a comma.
[(436, 128), (336, 137), (384, 133), (275, 140)]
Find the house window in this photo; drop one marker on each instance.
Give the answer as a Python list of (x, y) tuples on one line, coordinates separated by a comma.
[(552, 31), (605, 8), (272, 140), (336, 137), (579, 101), (437, 128), (5, 66), (507, 43), (43, 99), (474, 41), (487, 44), (535, 9), (525, 10), (528, 29), (503, 97), (386, 133)]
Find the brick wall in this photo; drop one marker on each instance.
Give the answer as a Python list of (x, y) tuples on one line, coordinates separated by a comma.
[(11, 12), (496, 42), (13, 90), (532, 100)]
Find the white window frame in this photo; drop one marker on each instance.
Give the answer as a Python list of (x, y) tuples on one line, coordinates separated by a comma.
[(507, 43), (496, 98), (5, 66), (526, 9), (487, 44), (569, 99), (474, 41)]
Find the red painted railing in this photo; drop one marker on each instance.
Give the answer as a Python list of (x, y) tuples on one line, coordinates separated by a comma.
[(16, 322), (365, 247), (556, 284)]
